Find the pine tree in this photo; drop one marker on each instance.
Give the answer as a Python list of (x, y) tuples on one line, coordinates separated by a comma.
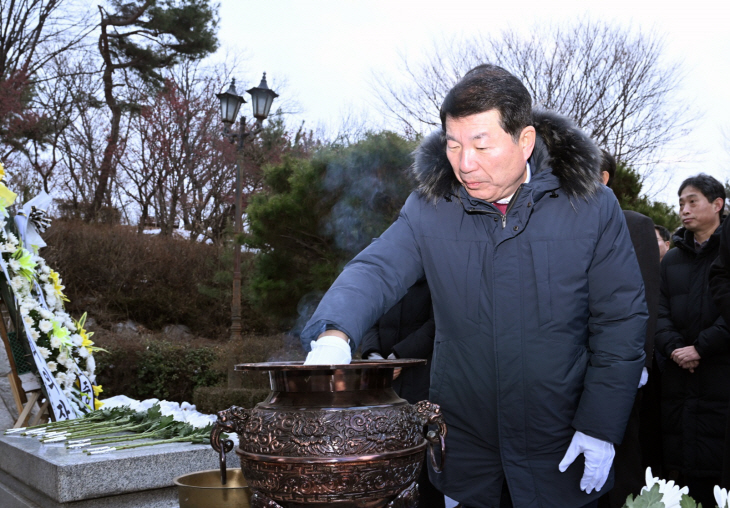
[(145, 36)]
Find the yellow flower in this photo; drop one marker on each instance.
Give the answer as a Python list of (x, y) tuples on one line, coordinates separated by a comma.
[(97, 390), (61, 333), (85, 341), (27, 265), (7, 197), (85, 336), (2, 171), (98, 404), (57, 286)]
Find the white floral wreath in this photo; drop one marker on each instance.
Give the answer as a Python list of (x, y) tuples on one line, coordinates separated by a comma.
[(62, 342)]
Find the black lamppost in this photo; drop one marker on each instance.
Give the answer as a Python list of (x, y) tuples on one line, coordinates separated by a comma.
[(261, 99)]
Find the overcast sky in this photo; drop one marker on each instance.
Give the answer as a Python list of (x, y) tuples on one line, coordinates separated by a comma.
[(327, 50)]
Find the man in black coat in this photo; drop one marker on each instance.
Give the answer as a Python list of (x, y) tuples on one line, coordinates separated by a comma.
[(720, 289), (628, 461), (694, 338), (407, 331)]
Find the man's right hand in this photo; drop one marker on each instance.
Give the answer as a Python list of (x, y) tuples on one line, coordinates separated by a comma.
[(330, 349)]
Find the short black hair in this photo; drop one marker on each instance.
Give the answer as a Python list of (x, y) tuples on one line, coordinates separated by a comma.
[(489, 87), (663, 232), (608, 164), (709, 186)]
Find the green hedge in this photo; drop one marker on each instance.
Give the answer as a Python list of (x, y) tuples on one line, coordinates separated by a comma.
[(159, 369)]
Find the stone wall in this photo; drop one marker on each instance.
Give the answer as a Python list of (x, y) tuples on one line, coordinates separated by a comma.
[(8, 410)]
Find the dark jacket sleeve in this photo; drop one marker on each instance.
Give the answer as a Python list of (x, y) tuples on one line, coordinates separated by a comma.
[(418, 344), (371, 342), (643, 236), (713, 340), (374, 281), (617, 331), (667, 337), (720, 274)]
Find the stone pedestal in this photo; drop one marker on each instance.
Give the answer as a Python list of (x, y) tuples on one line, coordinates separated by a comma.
[(35, 475)]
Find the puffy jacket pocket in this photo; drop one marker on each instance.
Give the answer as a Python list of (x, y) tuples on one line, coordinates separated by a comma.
[(541, 267)]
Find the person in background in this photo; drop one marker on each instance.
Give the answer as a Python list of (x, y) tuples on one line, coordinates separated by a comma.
[(407, 331), (537, 296), (629, 464), (695, 339), (720, 289), (663, 238)]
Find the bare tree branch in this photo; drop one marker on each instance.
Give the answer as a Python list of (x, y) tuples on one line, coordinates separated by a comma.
[(613, 82)]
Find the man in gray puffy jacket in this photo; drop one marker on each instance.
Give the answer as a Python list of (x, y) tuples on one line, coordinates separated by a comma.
[(538, 299)]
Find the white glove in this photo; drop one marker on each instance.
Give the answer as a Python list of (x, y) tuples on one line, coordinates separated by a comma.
[(644, 377), (598, 459), (329, 350), (375, 356)]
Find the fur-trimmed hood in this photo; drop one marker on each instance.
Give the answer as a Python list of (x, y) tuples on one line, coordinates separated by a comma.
[(560, 147)]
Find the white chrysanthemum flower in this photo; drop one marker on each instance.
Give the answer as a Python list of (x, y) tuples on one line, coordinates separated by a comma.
[(45, 314), (35, 335), (90, 366), (60, 378), (169, 408), (14, 265), (28, 320), (76, 340), (671, 493), (55, 342), (45, 326), (83, 352), (62, 357), (721, 497), (44, 268), (44, 352), (146, 404), (12, 238), (200, 421), (52, 366)]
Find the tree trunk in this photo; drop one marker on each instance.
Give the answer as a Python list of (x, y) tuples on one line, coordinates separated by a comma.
[(106, 167)]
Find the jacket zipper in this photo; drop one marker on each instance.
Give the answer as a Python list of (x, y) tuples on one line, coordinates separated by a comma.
[(511, 204)]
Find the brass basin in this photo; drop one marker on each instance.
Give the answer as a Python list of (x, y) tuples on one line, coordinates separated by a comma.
[(332, 435), (203, 489)]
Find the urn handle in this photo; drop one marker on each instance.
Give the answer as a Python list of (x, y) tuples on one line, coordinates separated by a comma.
[(229, 420), (430, 414)]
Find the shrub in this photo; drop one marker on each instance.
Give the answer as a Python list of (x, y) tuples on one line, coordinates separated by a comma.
[(117, 274), (144, 368), (210, 400), (151, 366)]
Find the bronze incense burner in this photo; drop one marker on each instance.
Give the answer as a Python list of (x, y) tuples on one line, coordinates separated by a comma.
[(334, 434)]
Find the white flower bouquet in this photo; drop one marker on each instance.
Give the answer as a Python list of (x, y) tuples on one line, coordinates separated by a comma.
[(665, 494)]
